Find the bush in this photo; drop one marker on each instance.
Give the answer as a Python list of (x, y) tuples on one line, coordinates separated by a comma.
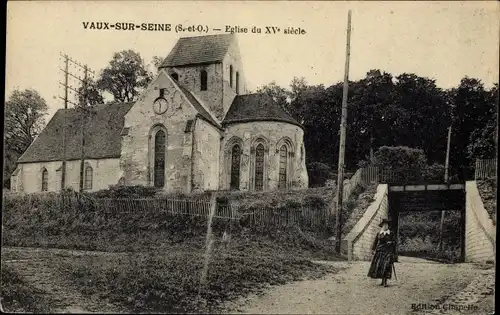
[(118, 191), (400, 157), (73, 220), (419, 235), (319, 173)]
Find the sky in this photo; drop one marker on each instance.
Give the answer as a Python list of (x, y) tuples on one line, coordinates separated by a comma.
[(444, 41)]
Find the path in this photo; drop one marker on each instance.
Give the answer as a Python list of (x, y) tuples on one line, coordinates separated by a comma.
[(420, 282)]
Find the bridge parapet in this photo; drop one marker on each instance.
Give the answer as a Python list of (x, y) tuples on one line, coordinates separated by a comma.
[(414, 175), (480, 241), (358, 242)]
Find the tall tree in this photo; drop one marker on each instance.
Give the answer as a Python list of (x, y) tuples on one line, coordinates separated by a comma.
[(483, 140), (125, 77), (277, 93), (154, 65), (425, 115), (470, 112), (24, 120), (92, 94)]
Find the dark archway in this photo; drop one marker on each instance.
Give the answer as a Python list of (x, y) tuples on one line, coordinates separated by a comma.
[(420, 198)]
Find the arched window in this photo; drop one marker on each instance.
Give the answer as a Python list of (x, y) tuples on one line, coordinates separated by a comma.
[(175, 76), (88, 177), (203, 79), (231, 76), (283, 167), (159, 159), (235, 167), (259, 167), (45, 180), (237, 83)]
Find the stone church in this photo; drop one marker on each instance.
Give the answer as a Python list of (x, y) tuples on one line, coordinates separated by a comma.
[(194, 128)]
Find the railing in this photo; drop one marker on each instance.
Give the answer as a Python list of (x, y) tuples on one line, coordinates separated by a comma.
[(264, 216), (305, 217), (430, 174), (485, 168)]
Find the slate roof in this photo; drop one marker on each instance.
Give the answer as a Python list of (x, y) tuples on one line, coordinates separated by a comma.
[(102, 135), (198, 49), (257, 107)]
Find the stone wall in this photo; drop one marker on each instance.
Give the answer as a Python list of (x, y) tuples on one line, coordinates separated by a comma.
[(357, 244), (137, 155), (205, 157), (190, 78), (105, 172), (480, 233), (272, 135), (232, 58)]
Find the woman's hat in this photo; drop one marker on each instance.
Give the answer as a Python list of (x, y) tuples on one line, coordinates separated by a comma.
[(385, 221)]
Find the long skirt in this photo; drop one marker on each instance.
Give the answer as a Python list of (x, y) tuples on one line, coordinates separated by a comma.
[(381, 266)]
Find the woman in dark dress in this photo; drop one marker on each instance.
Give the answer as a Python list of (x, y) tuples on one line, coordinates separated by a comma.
[(383, 258)]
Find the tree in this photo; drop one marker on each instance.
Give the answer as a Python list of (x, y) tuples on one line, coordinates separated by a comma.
[(471, 113), (93, 94), (276, 92), (24, 120), (424, 115), (125, 77), (154, 65), (483, 140), (372, 113)]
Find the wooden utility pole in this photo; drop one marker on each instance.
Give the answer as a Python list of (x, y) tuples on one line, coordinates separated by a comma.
[(81, 105), (63, 170), (82, 127), (343, 128), (446, 174)]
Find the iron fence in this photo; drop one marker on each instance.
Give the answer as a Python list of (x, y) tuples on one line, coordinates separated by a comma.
[(404, 176), (485, 168)]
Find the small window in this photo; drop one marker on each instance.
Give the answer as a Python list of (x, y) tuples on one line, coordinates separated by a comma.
[(204, 79), (88, 177), (45, 180), (231, 76), (175, 76), (237, 83)]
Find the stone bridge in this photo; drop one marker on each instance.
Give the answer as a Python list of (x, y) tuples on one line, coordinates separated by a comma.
[(478, 233)]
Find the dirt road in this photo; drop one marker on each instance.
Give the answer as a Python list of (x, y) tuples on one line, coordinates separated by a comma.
[(420, 284)]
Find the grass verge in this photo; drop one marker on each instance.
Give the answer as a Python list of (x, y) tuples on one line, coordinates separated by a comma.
[(18, 296), (169, 281), (357, 205), (488, 191)]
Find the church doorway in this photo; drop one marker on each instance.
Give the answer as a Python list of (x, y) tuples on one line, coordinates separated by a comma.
[(159, 159)]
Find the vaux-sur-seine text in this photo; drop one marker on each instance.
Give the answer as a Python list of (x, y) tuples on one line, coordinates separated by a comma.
[(181, 28)]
